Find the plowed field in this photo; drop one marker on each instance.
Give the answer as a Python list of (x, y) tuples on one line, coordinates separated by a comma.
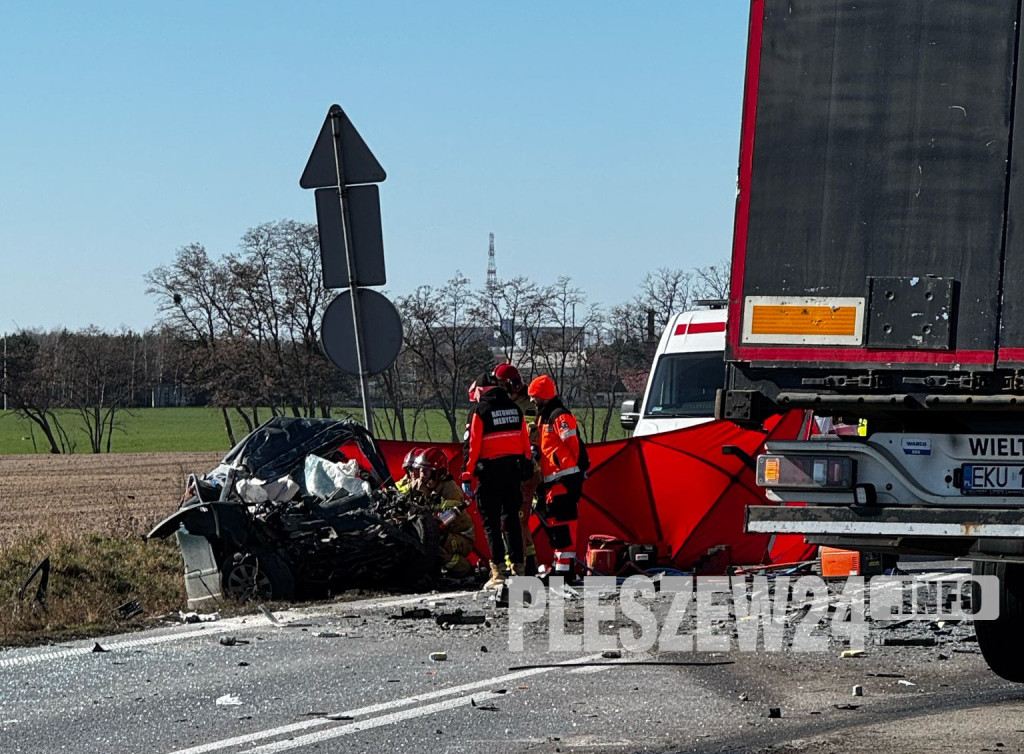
[(92, 493)]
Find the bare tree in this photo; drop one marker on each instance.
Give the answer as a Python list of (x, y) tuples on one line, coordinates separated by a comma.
[(560, 341), (255, 318), (665, 292), (511, 309), (99, 370), (30, 386), (712, 281), (445, 347), (193, 297)]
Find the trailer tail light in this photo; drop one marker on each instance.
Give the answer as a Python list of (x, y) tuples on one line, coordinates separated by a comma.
[(805, 472)]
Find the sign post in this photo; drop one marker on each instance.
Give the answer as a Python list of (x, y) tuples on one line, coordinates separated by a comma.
[(339, 164)]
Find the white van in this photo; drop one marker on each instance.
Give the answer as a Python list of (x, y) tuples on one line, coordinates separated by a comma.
[(688, 369)]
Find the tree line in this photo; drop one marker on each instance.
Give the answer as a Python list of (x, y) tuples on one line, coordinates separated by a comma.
[(242, 333)]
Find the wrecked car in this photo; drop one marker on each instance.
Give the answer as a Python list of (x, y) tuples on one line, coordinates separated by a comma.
[(300, 508)]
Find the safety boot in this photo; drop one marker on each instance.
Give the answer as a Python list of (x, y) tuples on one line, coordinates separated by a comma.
[(498, 575)]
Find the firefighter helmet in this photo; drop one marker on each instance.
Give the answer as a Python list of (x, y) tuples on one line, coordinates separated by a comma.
[(410, 458), (431, 458)]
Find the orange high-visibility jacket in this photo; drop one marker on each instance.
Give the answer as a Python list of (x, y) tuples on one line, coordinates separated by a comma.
[(559, 442)]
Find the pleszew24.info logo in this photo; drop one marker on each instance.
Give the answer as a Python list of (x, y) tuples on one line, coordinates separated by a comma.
[(723, 614)]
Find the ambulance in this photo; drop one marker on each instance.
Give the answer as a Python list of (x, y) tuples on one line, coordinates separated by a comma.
[(688, 369)]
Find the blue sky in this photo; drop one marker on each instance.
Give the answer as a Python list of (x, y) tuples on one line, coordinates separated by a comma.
[(594, 139)]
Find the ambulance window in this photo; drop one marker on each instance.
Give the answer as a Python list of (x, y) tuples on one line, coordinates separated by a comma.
[(684, 384)]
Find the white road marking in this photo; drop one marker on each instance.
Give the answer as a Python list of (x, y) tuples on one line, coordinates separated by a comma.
[(374, 722), (375, 709), (206, 629)]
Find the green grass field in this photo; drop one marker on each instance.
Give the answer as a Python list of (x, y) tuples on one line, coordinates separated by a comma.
[(202, 429)]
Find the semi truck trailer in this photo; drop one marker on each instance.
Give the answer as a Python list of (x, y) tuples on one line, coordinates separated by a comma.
[(878, 276)]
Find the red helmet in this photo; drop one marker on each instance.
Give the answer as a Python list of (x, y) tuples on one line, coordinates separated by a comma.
[(410, 458), (431, 458), (508, 377)]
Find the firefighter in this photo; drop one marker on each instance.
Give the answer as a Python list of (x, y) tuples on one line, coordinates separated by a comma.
[(561, 485), (497, 458), (442, 495), (507, 377), (409, 482)]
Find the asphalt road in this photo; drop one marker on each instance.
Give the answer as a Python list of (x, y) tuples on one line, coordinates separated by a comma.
[(349, 677)]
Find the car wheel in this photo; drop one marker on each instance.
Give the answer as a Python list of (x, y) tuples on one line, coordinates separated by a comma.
[(257, 576)]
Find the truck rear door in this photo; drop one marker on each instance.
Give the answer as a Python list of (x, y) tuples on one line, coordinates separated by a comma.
[(875, 198)]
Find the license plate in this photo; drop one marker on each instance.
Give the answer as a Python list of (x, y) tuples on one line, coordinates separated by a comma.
[(992, 479)]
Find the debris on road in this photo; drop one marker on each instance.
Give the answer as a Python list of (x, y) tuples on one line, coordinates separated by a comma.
[(229, 700), (612, 654), (97, 648), (438, 656), (858, 690), (850, 653), (128, 609), (231, 641), (270, 615), (198, 617), (416, 613), (459, 618), (328, 635), (774, 712), (907, 641)]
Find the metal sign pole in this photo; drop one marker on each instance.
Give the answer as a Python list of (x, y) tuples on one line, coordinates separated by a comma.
[(364, 387)]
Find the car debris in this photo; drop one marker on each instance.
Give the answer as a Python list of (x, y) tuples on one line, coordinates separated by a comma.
[(231, 641), (42, 570), (858, 690), (907, 641), (198, 617), (438, 656), (128, 610), (416, 613), (228, 700), (459, 618), (327, 521)]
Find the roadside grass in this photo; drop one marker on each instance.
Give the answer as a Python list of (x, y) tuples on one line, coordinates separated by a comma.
[(201, 429), (91, 574)]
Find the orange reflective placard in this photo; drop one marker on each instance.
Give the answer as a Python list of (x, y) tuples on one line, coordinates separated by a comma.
[(803, 320)]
